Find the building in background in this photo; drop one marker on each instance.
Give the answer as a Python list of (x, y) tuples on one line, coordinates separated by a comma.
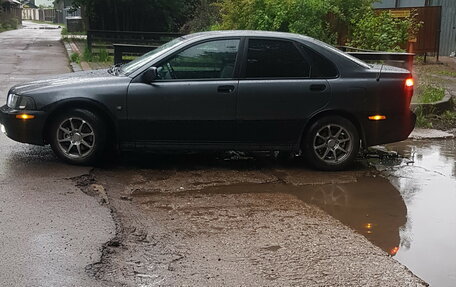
[(447, 31), (44, 3)]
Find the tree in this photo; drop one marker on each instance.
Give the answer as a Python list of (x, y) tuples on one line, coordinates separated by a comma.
[(382, 32), (298, 16), (332, 21), (138, 15)]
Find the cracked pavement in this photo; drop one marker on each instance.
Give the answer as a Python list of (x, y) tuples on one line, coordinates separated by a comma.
[(49, 230), (171, 220)]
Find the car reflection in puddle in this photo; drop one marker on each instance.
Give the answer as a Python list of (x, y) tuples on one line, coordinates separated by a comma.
[(411, 215), (371, 206)]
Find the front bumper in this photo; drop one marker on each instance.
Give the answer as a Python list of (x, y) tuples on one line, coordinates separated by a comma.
[(393, 129), (26, 131)]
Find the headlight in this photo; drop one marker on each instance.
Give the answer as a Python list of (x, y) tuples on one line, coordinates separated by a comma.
[(20, 102)]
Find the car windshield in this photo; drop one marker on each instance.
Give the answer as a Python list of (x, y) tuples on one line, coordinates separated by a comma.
[(144, 59)]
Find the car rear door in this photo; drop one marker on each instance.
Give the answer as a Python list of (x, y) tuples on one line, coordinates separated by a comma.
[(276, 93), (192, 101)]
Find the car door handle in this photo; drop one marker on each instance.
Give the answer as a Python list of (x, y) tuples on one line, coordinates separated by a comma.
[(319, 87), (225, 89)]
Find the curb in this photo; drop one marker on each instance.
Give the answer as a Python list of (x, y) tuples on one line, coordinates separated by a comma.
[(436, 107), (75, 67)]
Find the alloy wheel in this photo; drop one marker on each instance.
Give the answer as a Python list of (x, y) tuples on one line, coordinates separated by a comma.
[(76, 138), (333, 143)]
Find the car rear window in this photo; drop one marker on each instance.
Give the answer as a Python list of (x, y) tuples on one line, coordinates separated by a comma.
[(321, 66), (275, 59)]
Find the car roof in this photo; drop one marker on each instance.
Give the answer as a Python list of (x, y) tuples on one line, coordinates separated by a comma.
[(247, 33)]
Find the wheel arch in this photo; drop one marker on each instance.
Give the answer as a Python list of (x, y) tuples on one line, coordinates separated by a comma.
[(81, 103), (340, 113)]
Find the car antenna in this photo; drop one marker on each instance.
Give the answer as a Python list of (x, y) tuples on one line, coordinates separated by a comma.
[(380, 73)]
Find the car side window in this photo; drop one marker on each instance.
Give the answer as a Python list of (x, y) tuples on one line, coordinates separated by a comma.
[(208, 60), (321, 66), (275, 59)]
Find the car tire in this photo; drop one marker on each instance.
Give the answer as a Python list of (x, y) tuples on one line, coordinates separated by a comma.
[(78, 136), (331, 143)]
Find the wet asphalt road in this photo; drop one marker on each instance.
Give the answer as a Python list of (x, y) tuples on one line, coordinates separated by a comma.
[(214, 219), (49, 230)]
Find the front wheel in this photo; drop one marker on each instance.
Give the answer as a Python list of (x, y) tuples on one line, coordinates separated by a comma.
[(78, 136), (331, 143)]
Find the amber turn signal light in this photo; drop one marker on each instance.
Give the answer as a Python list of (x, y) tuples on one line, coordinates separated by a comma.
[(409, 82), (377, 118), (25, 117)]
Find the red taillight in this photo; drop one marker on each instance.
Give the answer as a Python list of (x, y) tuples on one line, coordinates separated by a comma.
[(409, 82)]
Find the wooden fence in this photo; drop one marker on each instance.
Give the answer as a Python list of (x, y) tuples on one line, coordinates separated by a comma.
[(43, 15), (9, 13)]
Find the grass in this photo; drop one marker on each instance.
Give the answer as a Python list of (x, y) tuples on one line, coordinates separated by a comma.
[(102, 56), (8, 24), (446, 73), (75, 58), (449, 117), (422, 120), (429, 93), (66, 33)]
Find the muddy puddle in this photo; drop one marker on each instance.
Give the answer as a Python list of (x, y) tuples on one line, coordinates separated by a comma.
[(410, 214), (408, 209), (371, 206), (428, 187)]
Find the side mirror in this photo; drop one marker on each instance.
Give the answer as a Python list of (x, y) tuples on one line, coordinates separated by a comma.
[(150, 75)]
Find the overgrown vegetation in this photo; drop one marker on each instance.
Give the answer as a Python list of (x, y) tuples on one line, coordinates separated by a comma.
[(423, 120), (75, 58), (333, 21), (351, 22), (138, 15), (429, 93), (382, 32), (7, 23), (444, 121), (102, 55), (298, 16)]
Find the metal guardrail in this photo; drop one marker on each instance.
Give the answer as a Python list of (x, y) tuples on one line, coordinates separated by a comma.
[(121, 49), (129, 37)]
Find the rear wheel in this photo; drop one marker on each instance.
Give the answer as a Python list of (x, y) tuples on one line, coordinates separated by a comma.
[(331, 143), (78, 136)]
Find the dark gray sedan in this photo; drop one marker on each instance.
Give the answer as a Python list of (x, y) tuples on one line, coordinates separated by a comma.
[(230, 90)]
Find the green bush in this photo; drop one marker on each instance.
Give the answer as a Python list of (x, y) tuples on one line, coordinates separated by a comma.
[(430, 93), (382, 32), (87, 55), (75, 58), (355, 19), (298, 16), (103, 55), (422, 120)]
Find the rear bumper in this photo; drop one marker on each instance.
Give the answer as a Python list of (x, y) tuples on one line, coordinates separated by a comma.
[(393, 129), (25, 131)]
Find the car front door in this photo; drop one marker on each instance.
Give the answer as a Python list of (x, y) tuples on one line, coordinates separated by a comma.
[(192, 100), (277, 93)]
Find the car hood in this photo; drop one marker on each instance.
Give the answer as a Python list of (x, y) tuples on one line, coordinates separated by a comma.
[(71, 79)]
